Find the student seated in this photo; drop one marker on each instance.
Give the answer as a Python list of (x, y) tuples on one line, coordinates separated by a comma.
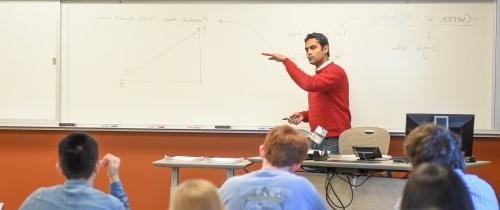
[(196, 194), (78, 153), (274, 186), (429, 143), (432, 186)]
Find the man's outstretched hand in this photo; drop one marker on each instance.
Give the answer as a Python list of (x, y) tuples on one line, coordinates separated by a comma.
[(275, 56)]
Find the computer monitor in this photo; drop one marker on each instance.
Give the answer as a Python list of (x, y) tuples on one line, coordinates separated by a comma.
[(461, 124)]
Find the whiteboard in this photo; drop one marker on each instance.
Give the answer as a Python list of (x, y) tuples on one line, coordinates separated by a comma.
[(198, 64), (29, 85)]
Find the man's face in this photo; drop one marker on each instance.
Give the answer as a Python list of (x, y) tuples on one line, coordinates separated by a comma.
[(315, 53)]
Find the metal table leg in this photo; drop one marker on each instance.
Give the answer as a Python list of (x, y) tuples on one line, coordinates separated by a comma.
[(174, 181), (230, 172)]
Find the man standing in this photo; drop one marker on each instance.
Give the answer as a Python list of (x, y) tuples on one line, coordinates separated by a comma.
[(78, 162), (328, 92), (274, 186)]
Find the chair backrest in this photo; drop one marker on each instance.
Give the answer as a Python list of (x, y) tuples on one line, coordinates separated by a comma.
[(364, 137)]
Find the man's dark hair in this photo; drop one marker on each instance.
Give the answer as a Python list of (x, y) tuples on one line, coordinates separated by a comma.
[(321, 39), (432, 186), (78, 155), (436, 144)]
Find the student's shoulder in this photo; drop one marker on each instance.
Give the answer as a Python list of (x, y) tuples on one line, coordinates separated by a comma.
[(475, 181), (231, 185), (238, 181), (101, 196), (477, 185), (44, 191), (115, 203), (297, 180), (108, 200), (235, 180), (40, 194)]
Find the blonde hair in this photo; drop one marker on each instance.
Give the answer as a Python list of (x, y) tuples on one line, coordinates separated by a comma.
[(196, 194)]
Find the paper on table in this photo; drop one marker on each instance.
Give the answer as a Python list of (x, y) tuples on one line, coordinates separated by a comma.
[(349, 157), (184, 158), (226, 160), (353, 157), (384, 157)]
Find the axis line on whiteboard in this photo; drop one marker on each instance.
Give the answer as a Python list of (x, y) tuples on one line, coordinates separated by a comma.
[(132, 71)]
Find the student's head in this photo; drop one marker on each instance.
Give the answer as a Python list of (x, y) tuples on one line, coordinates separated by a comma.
[(284, 147), (432, 186), (436, 144), (317, 48), (78, 154), (196, 194)]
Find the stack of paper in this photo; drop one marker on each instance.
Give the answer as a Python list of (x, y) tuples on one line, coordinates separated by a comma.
[(202, 158), (184, 158), (226, 160)]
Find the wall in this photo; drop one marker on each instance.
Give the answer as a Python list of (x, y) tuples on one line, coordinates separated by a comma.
[(28, 158), (138, 55)]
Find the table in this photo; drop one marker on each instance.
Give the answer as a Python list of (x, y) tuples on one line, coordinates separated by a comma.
[(385, 165), (378, 192), (205, 163)]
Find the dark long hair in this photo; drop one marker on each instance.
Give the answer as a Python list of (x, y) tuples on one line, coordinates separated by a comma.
[(432, 186)]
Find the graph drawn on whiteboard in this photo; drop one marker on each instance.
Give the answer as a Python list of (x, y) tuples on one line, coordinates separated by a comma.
[(262, 37), (186, 52), (157, 69)]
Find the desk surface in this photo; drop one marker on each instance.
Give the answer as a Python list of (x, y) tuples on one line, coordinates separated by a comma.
[(205, 163), (388, 165)]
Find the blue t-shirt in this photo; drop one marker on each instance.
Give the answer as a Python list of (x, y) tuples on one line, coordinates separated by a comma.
[(270, 189), (76, 194), (481, 193)]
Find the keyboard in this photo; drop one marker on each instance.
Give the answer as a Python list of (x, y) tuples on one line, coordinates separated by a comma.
[(402, 159)]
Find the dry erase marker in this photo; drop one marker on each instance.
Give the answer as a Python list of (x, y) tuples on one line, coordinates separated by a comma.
[(109, 126), (157, 126), (193, 127), (222, 127)]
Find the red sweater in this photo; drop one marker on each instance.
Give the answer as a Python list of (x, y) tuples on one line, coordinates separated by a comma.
[(328, 94)]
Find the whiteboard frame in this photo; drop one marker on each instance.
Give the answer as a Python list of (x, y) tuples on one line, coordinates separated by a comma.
[(50, 123)]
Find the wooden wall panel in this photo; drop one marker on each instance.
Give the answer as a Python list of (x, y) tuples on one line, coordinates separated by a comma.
[(28, 158)]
